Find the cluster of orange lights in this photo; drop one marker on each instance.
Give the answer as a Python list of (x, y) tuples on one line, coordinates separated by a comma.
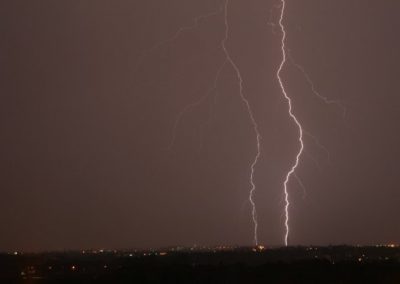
[(258, 248)]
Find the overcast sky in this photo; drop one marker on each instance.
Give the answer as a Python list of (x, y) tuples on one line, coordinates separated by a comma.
[(90, 96)]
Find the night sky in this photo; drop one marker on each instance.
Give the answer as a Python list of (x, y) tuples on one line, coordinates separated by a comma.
[(91, 90)]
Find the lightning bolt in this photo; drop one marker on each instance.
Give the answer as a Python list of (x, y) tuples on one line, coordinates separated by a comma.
[(212, 105), (286, 56), (314, 90), (301, 184), (190, 106), (187, 108), (294, 118), (319, 145), (176, 35), (253, 121)]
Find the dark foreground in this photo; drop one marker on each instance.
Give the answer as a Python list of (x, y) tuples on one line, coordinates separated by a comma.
[(207, 265)]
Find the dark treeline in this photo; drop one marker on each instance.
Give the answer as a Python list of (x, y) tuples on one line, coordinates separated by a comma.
[(241, 265)]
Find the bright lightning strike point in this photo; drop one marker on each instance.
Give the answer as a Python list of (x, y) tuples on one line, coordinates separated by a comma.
[(289, 100), (253, 121)]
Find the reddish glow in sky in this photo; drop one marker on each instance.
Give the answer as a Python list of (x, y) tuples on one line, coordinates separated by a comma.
[(88, 107)]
